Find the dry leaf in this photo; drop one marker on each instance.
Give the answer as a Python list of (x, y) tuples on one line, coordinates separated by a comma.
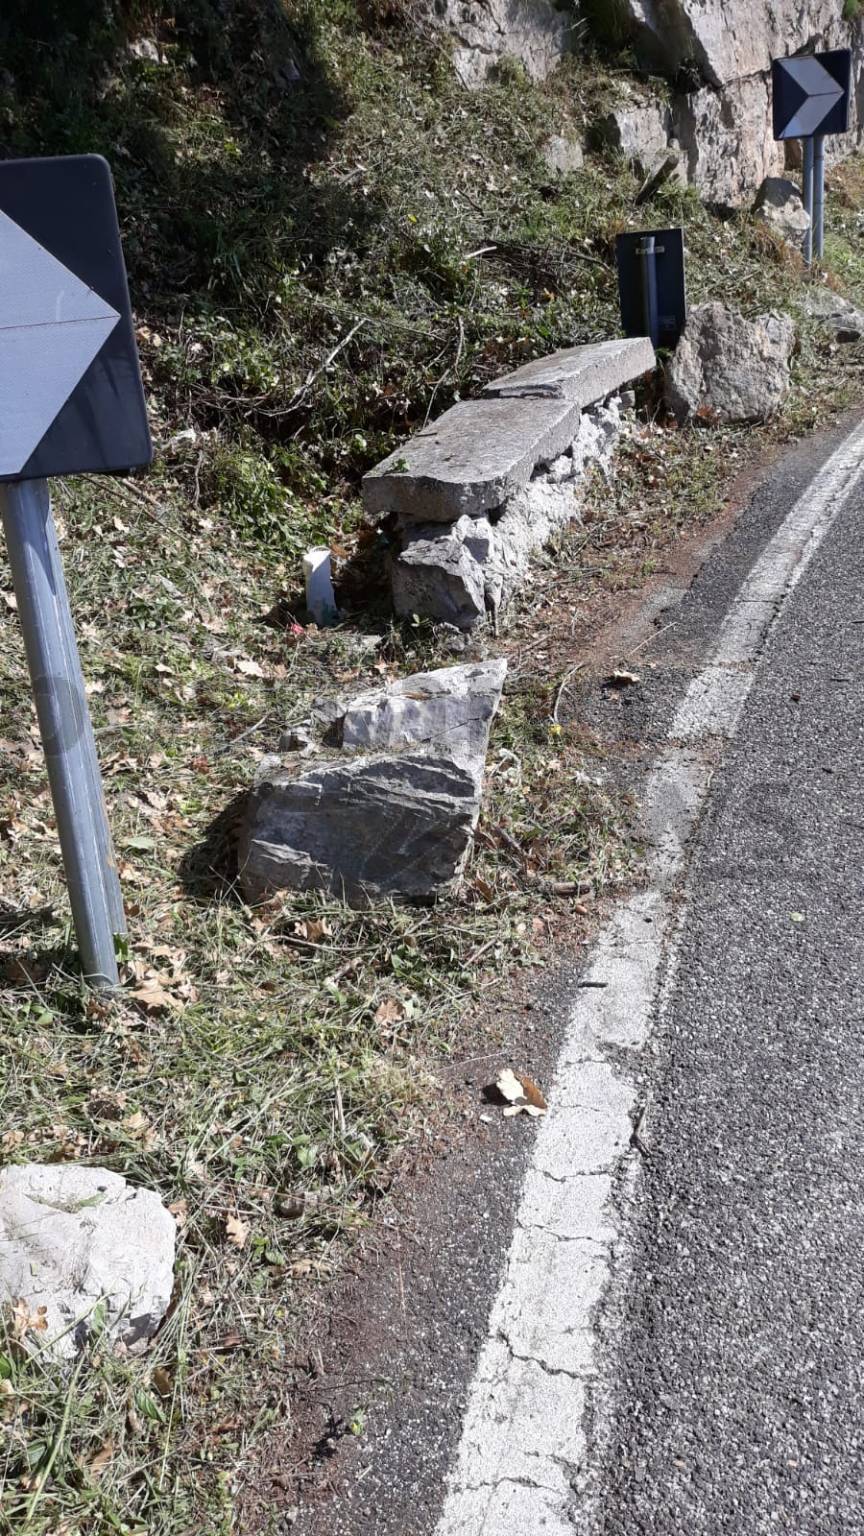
[(96, 1466), (163, 1381), (313, 930), (248, 668), (389, 1012), (509, 1086), (522, 1094), (621, 678), (180, 1211), (236, 1231)]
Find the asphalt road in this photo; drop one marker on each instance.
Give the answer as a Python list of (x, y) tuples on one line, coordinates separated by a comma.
[(738, 1370)]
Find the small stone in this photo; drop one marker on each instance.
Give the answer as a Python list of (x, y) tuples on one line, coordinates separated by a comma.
[(562, 156), (72, 1237)]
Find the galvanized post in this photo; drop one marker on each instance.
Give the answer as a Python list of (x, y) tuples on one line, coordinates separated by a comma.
[(649, 288), (819, 197), (807, 195), (64, 723)]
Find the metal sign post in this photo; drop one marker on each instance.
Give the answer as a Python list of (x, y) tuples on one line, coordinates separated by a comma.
[(811, 98), (70, 400), (651, 284)]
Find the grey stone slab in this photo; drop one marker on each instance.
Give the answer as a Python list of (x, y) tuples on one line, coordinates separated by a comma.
[(438, 574), (582, 375), (471, 459), (396, 826)]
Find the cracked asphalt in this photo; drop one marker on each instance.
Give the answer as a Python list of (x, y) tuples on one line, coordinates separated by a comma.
[(739, 1363)]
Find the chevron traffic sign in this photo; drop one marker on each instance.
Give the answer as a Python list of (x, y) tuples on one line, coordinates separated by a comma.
[(811, 94), (71, 398)]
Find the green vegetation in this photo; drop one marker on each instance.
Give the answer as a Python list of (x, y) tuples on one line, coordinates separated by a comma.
[(327, 241)]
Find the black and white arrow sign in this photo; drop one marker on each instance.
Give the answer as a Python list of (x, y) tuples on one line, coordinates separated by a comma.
[(811, 94), (70, 390)]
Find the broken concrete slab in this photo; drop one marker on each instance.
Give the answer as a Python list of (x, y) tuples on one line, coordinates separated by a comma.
[(461, 572), (455, 705), (582, 375), (73, 1237), (470, 459)]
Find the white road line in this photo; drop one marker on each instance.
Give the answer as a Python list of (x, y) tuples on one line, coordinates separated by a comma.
[(523, 1449)]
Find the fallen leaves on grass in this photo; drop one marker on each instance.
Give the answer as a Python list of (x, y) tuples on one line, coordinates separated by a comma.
[(236, 1231)]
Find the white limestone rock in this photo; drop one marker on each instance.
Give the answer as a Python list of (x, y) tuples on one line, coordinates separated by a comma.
[(727, 369), (72, 1237), (536, 33)]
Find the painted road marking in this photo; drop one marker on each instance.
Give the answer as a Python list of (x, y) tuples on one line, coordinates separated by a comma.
[(521, 1461)]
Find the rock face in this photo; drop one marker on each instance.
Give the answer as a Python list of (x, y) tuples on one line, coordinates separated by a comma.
[(71, 1237), (725, 49), (728, 369), (393, 815), (779, 206), (536, 33), (638, 129)]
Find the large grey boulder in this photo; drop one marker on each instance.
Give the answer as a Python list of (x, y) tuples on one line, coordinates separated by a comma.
[(393, 815), (72, 1237), (727, 141), (779, 206), (729, 39), (728, 369), (536, 33), (470, 459)]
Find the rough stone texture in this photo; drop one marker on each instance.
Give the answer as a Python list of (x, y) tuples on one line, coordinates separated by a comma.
[(727, 368), (534, 32), (72, 1236), (779, 206), (638, 129), (387, 824), (842, 319), (562, 156), (437, 574), (470, 460), (727, 39), (668, 166), (460, 572), (725, 47), (583, 375), (455, 705), (727, 142)]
